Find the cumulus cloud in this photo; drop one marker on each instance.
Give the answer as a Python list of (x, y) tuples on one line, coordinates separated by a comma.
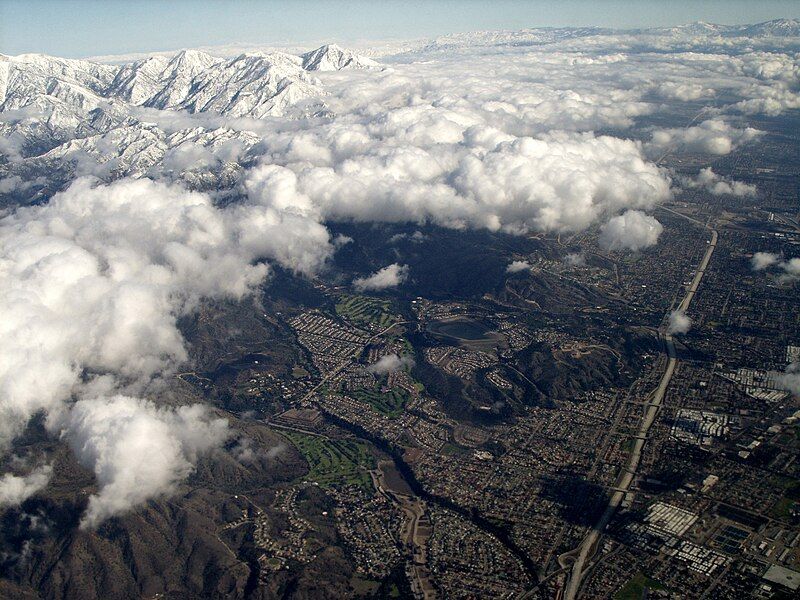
[(679, 322), (387, 171), (632, 230), (763, 260), (389, 364), (137, 450), (387, 277), (713, 136), (417, 237), (720, 186), (15, 489), (341, 240), (517, 266), (790, 268), (684, 91)]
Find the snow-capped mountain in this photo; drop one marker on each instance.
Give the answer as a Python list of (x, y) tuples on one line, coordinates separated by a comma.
[(776, 28), (25, 77), (250, 85), (333, 58), (253, 84), (62, 118)]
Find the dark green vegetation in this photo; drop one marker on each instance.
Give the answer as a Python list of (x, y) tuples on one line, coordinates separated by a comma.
[(636, 586), (334, 462), (363, 310), (389, 403), (785, 507), (444, 263)]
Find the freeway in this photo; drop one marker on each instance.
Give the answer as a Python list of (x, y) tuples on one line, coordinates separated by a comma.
[(586, 549)]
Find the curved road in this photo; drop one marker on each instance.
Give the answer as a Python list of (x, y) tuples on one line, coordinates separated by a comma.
[(586, 549)]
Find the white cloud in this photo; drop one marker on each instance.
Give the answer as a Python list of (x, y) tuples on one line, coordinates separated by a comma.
[(683, 90), (764, 260), (15, 489), (719, 186), (387, 277), (713, 136), (791, 270), (678, 322), (341, 240), (91, 287), (137, 450), (632, 230), (389, 364), (247, 452), (517, 266)]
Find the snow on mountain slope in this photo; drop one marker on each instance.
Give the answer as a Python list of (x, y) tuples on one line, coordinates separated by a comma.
[(137, 149), (47, 101), (178, 77), (250, 85), (333, 58), (775, 28), (27, 76), (138, 81)]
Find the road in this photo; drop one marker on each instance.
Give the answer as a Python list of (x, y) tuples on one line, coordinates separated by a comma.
[(586, 549)]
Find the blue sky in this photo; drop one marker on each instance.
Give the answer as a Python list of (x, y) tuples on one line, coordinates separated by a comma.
[(76, 28)]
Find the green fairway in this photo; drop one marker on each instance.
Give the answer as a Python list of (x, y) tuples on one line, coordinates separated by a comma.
[(634, 589), (334, 462), (363, 310), (389, 403)]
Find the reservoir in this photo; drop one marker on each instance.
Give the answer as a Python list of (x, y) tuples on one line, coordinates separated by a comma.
[(460, 329)]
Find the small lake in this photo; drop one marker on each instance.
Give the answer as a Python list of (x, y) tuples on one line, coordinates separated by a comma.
[(461, 329)]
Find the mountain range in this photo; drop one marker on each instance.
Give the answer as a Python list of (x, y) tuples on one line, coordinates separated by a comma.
[(55, 109)]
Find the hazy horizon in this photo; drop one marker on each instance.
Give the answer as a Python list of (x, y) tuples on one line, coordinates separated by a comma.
[(88, 28)]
